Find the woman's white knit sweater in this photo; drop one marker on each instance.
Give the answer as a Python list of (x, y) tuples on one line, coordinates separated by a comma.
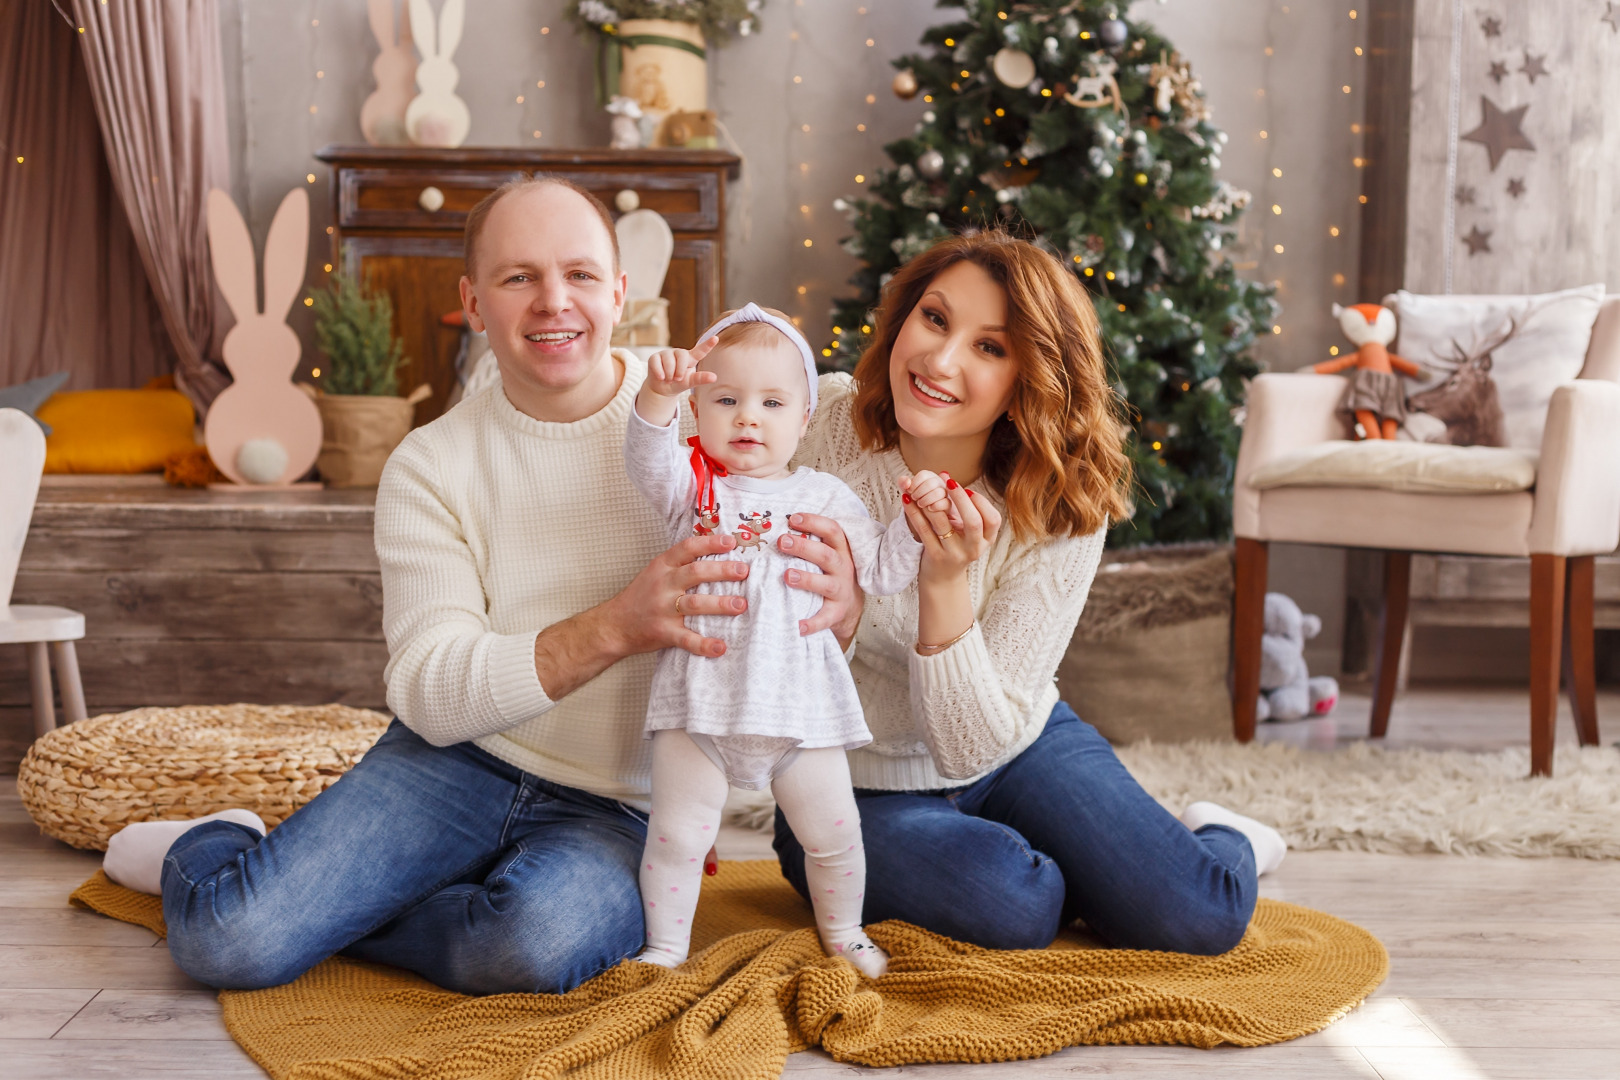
[(943, 720), (492, 525)]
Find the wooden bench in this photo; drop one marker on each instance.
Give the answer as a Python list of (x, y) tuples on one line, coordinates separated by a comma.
[(204, 597)]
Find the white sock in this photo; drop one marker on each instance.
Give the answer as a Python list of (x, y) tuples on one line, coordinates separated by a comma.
[(818, 801), (136, 852), (688, 795), (1268, 844)]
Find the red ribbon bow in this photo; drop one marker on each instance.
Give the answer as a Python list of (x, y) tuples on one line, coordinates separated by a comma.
[(705, 469)]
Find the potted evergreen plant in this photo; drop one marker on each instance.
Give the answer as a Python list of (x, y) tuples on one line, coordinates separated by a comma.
[(362, 415)]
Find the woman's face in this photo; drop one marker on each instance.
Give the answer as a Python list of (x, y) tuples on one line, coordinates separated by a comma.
[(950, 371)]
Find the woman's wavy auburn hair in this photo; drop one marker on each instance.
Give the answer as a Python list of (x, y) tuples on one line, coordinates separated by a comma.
[(1056, 457)]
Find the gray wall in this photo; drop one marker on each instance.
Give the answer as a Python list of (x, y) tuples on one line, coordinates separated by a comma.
[(273, 50)]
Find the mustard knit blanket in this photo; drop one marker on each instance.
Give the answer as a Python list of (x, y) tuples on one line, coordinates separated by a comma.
[(758, 988)]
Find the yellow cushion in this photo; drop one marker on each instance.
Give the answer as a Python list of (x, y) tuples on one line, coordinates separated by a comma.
[(116, 431)]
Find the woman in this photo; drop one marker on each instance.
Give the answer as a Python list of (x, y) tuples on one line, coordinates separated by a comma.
[(991, 813)]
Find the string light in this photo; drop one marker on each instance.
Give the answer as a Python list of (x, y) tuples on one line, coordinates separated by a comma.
[(315, 373), (1333, 230), (309, 177)]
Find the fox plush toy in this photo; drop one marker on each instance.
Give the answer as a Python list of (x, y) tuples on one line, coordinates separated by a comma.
[(1377, 398)]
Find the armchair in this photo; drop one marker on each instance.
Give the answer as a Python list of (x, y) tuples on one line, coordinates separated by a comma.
[(1571, 515)]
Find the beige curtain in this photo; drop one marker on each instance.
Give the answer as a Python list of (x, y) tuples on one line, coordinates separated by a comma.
[(155, 76), (73, 292)]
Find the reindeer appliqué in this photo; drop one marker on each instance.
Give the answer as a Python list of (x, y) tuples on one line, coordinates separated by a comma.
[(708, 520), (751, 533)]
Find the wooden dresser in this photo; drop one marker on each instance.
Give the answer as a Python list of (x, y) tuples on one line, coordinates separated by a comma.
[(381, 230)]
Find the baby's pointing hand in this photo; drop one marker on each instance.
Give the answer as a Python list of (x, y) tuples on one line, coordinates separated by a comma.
[(672, 371)]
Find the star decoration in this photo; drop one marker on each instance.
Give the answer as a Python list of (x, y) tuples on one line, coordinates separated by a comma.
[(1533, 66), (1515, 186), (1611, 15), (1477, 241), (1498, 72), (1465, 195), (1498, 131), (1492, 26)]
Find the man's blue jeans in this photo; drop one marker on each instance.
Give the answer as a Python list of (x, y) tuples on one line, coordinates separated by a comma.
[(446, 861), (1061, 832)]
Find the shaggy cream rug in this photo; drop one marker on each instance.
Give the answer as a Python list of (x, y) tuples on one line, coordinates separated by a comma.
[(1366, 798)]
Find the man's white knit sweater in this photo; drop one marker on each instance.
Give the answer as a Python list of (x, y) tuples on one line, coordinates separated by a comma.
[(492, 525)]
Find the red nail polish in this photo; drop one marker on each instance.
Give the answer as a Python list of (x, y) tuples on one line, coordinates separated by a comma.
[(711, 869), (969, 491), (906, 499), (952, 484)]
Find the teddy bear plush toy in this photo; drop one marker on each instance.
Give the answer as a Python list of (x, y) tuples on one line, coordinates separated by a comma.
[(1377, 397), (1288, 692)]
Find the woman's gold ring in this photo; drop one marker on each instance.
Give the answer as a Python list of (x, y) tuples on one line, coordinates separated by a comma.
[(946, 535), (678, 603)]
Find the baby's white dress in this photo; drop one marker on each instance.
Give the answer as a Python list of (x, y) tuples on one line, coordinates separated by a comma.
[(773, 687)]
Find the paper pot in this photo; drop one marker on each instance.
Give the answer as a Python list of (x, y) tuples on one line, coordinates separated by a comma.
[(359, 432), (663, 67)]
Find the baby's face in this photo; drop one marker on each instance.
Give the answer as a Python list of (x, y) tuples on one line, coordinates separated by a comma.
[(751, 419)]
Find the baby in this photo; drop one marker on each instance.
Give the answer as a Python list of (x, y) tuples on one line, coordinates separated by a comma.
[(778, 709)]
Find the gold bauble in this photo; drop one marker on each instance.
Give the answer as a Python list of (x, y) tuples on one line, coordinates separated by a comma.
[(905, 84)]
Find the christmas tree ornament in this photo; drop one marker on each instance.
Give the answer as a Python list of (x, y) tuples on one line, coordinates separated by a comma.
[(1097, 89), (1014, 67), (904, 84), (931, 164), (1112, 32)]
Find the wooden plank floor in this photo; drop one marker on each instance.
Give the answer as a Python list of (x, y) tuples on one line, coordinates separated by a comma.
[(1500, 968)]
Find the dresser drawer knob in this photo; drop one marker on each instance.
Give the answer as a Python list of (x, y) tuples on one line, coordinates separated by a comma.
[(431, 199), (627, 200)]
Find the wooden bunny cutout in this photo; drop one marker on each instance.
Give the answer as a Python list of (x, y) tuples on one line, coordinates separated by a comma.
[(436, 116), (382, 117), (262, 430)]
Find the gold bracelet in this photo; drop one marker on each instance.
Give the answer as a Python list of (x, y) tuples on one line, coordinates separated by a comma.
[(931, 650)]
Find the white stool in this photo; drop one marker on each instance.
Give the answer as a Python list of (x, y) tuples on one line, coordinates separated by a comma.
[(39, 627)]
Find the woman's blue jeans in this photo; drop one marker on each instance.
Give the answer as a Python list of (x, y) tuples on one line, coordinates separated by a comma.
[(443, 860), (1061, 832)]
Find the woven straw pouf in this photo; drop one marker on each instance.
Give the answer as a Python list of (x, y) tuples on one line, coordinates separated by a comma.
[(83, 782)]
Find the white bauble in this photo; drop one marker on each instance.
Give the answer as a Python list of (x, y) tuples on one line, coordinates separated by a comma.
[(931, 163), (1014, 67)]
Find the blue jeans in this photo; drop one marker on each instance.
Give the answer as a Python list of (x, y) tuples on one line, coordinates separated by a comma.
[(1061, 832), (446, 861)]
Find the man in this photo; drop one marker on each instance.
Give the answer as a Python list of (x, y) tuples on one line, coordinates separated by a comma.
[(490, 840)]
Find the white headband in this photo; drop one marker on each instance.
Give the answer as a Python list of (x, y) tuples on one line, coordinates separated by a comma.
[(752, 312)]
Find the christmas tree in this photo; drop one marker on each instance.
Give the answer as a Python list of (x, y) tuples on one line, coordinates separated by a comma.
[(1060, 121)]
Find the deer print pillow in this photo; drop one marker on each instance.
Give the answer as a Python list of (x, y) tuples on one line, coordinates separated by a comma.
[(1494, 361)]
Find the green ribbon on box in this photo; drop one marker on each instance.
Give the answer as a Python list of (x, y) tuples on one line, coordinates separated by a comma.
[(610, 61)]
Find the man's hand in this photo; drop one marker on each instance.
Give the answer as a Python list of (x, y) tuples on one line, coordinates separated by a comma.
[(828, 550), (641, 618), (644, 612)]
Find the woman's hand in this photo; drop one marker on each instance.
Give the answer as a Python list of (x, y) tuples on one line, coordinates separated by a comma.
[(828, 550), (644, 613), (953, 539)]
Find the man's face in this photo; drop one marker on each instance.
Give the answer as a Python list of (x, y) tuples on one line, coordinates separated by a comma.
[(546, 291)]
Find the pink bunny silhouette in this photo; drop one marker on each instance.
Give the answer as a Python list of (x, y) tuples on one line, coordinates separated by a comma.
[(261, 429), (382, 117), (436, 116)]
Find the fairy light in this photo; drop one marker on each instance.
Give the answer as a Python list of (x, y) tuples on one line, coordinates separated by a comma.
[(315, 373)]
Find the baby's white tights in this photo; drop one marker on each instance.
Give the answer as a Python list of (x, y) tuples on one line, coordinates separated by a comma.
[(815, 794)]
